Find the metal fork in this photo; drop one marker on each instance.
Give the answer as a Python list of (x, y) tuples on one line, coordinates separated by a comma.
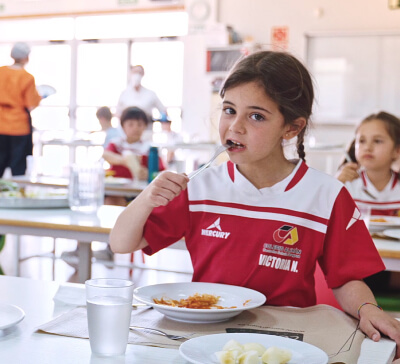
[(172, 337), (219, 150)]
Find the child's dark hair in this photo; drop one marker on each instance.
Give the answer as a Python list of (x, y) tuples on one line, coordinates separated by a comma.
[(392, 124), (133, 113), (104, 112), (284, 79)]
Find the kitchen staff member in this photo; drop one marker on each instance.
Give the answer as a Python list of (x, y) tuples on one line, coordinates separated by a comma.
[(138, 95), (18, 96)]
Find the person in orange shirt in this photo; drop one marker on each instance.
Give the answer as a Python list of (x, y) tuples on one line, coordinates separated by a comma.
[(18, 96)]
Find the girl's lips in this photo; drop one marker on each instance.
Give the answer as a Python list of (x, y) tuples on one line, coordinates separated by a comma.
[(235, 145)]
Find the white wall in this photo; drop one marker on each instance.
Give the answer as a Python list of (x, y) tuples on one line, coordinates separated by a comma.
[(256, 17)]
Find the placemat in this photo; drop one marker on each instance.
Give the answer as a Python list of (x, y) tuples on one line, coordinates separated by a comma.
[(324, 326)]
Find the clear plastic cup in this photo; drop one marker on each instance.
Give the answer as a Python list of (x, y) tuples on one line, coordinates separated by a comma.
[(86, 187), (109, 307)]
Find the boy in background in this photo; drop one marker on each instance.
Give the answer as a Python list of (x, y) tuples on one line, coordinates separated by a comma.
[(128, 155), (104, 116)]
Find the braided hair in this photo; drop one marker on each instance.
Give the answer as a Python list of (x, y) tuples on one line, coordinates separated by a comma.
[(284, 79)]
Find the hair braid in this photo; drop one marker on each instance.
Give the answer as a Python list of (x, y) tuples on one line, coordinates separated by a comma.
[(300, 145)]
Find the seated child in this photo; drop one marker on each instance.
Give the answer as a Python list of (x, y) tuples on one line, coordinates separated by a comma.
[(370, 179), (260, 220), (104, 116), (128, 155)]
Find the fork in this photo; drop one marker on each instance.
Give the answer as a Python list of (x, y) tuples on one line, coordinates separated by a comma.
[(218, 151), (172, 337)]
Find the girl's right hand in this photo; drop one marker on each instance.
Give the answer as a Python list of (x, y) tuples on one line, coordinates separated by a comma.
[(163, 189), (348, 172)]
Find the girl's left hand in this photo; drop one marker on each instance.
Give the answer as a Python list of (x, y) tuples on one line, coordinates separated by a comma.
[(374, 322)]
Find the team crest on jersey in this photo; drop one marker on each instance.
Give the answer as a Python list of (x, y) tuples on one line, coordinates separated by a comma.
[(286, 234), (215, 230)]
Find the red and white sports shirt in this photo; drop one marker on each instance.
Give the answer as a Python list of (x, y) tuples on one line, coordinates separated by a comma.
[(385, 202), (268, 239)]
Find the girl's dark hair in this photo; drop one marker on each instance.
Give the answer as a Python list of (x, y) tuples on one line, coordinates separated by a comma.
[(134, 113), (392, 124), (284, 79)]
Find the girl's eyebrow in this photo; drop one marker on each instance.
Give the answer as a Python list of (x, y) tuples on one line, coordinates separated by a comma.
[(250, 107)]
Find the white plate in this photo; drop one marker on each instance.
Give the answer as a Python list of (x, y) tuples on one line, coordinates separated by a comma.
[(34, 203), (392, 233), (229, 296), (45, 90), (116, 181), (390, 221), (10, 315), (201, 350)]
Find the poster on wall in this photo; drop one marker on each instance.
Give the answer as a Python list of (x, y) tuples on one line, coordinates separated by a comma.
[(280, 38)]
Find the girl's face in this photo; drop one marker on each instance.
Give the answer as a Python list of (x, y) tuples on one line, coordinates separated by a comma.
[(133, 129), (252, 121), (374, 147)]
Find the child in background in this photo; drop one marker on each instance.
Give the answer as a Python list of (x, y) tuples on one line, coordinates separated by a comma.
[(262, 221), (104, 116), (128, 155), (370, 178)]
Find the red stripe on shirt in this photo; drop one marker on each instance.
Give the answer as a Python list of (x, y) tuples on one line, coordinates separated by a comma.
[(274, 210), (297, 177), (377, 203), (363, 178), (231, 170)]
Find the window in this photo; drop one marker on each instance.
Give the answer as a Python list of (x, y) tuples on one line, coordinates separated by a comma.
[(87, 59)]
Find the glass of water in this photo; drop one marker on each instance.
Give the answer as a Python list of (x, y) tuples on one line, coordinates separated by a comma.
[(109, 307), (86, 187)]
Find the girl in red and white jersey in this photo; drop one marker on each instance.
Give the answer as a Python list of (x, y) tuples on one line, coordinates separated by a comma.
[(370, 178), (260, 220)]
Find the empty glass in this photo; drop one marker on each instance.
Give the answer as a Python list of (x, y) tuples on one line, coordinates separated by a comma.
[(86, 187)]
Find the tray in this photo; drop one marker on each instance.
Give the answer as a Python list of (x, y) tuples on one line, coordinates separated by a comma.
[(34, 203)]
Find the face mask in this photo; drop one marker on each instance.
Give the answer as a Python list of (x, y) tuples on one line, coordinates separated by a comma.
[(136, 79)]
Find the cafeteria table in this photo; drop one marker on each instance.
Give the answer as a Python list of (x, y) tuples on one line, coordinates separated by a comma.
[(127, 189), (21, 343), (62, 223)]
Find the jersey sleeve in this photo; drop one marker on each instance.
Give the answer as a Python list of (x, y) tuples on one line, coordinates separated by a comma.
[(349, 251), (167, 224)]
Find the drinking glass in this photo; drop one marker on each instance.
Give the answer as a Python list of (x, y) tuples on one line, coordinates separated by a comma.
[(109, 307), (86, 187)]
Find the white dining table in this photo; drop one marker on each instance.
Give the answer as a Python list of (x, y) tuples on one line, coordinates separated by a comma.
[(62, 223), (112, 187), (21, 344)]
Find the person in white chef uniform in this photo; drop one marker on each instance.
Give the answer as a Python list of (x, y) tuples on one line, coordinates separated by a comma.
[(138, 95)]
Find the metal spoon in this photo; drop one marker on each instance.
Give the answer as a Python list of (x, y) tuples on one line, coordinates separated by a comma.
[(218, 151)]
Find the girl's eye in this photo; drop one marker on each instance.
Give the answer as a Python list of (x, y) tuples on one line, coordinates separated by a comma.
[(257, 117), (228, 110)]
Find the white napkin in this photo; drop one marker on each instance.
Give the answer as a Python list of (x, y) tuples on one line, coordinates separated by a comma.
[(381, 352), (71, 295)]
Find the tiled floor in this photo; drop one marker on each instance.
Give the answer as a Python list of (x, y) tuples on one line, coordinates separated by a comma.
[(47, 268)]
